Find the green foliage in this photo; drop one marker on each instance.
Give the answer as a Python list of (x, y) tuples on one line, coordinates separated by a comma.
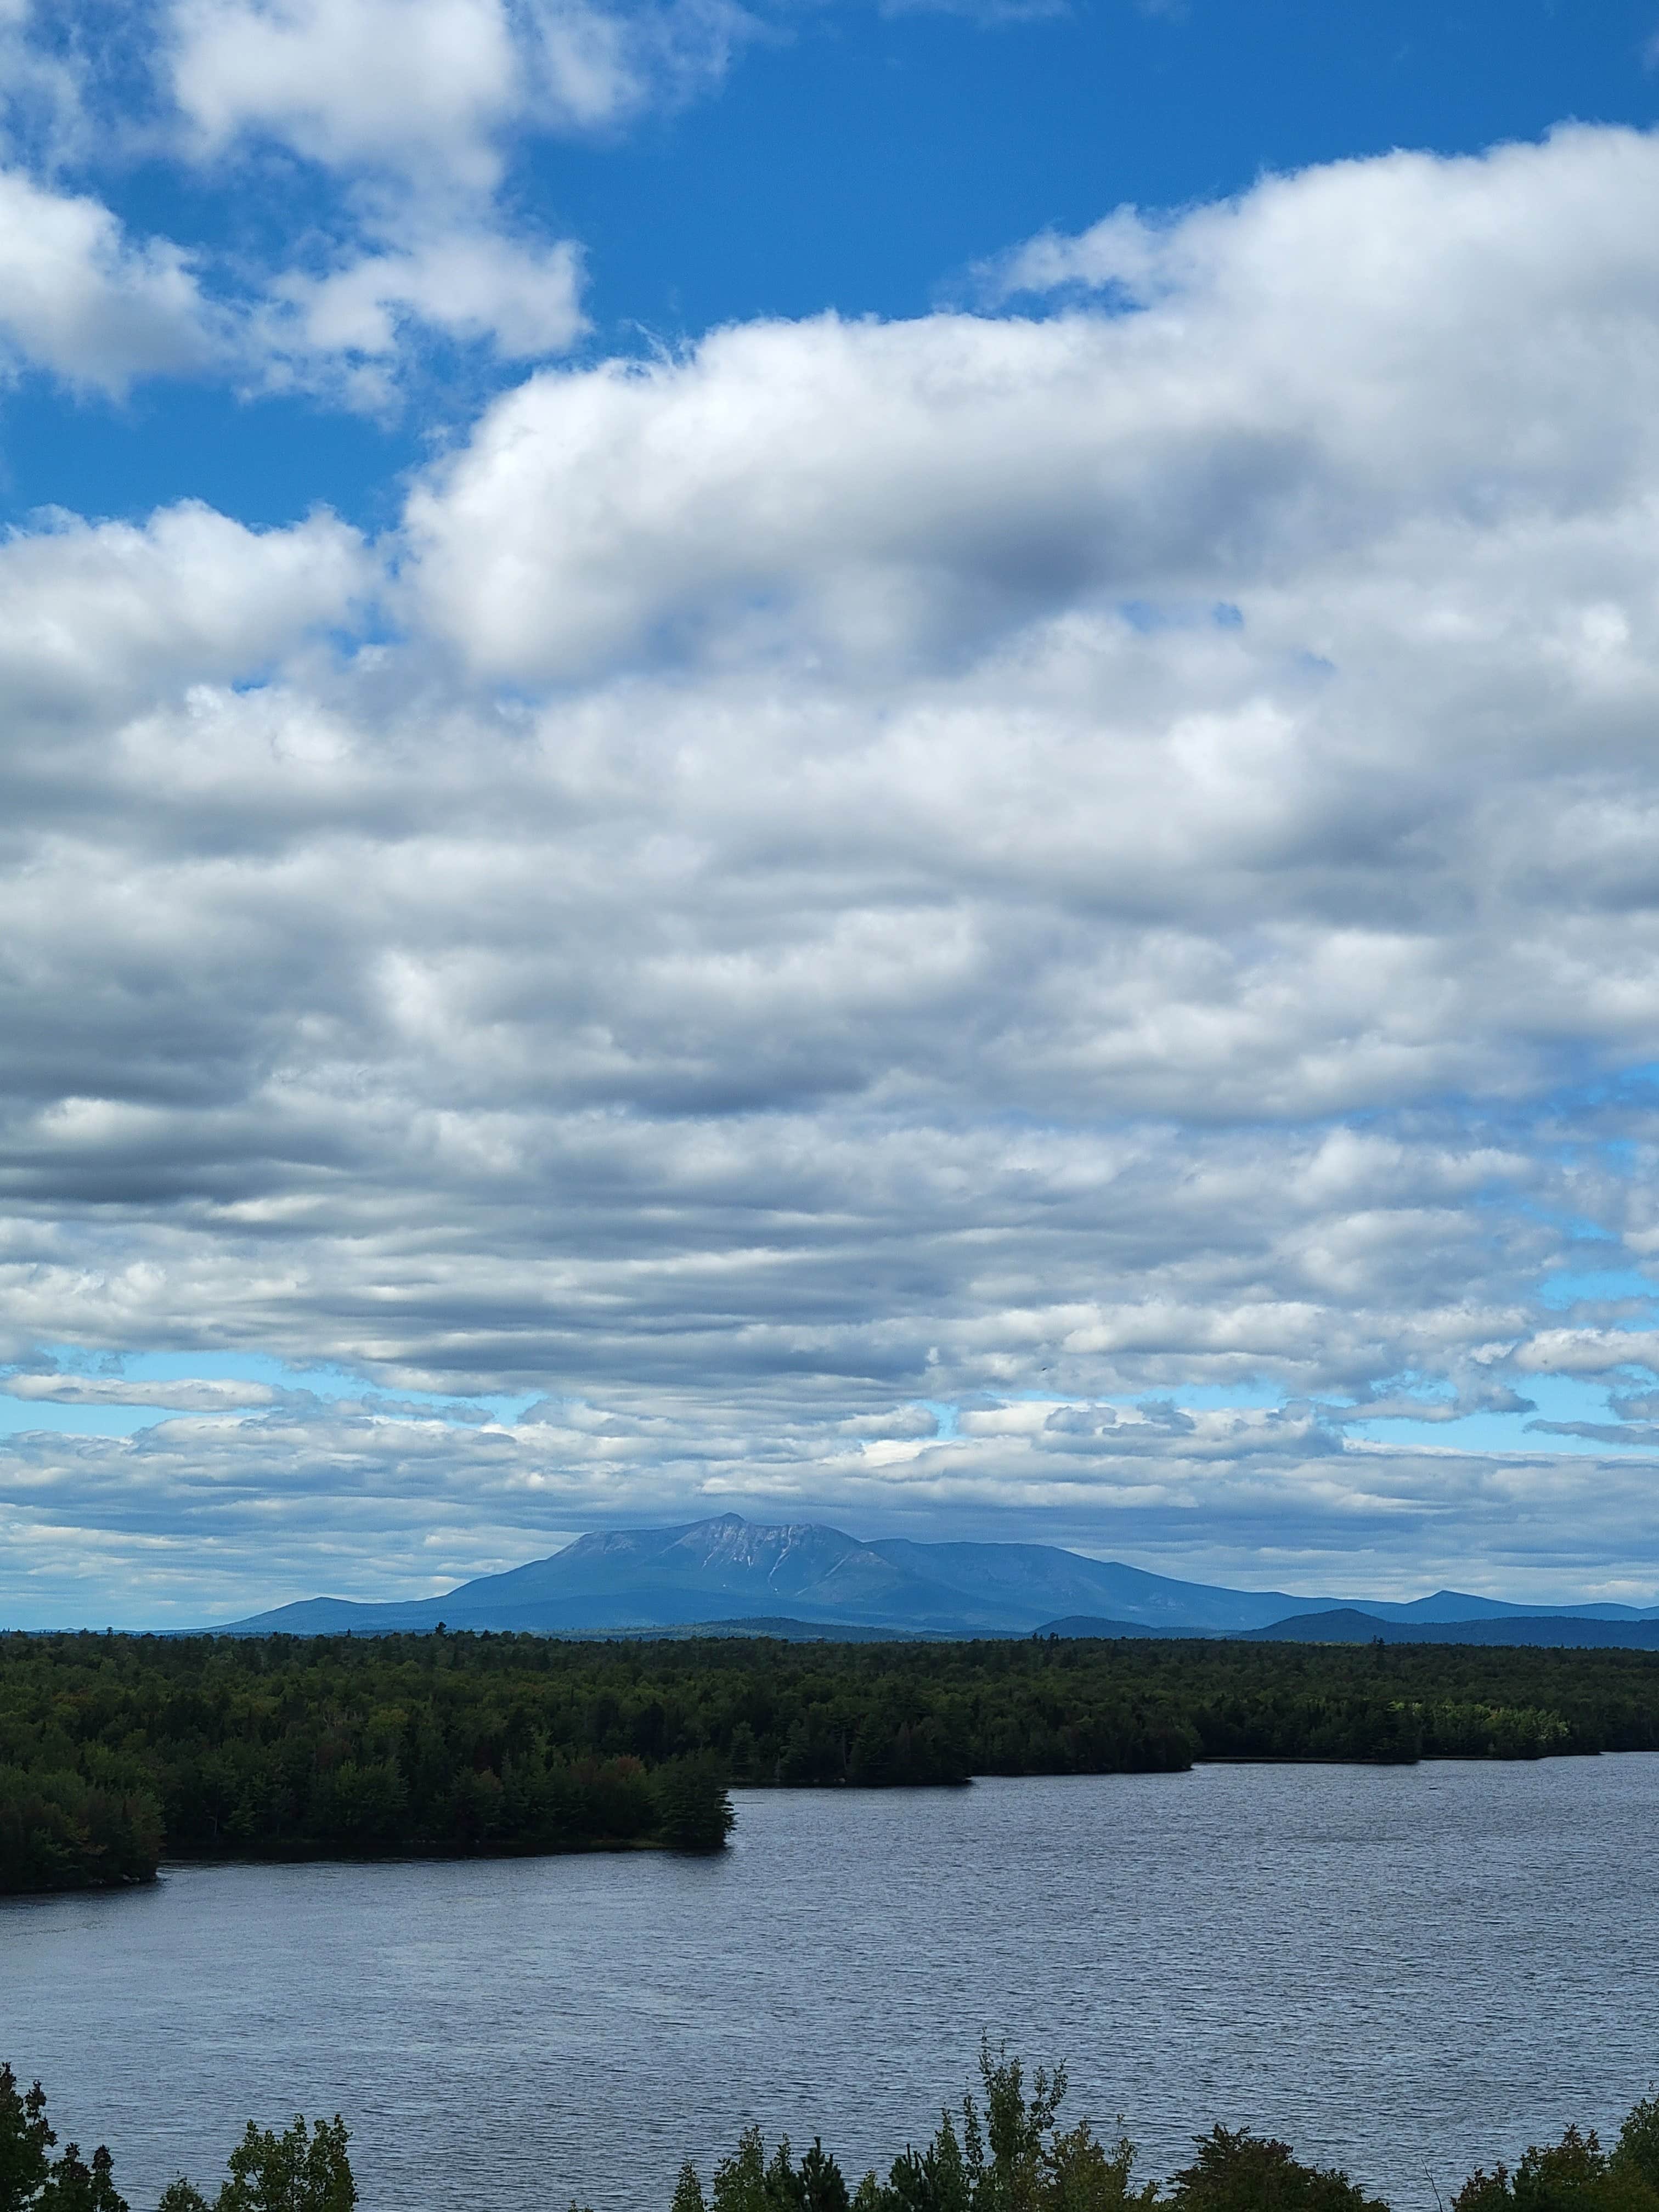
[(26, 2141), (1576, 2175), (74, 2186), (60, 1830), (687, 2191), (694, 1813), (110, 1745), (1238, 2172), (822, 2187), (300, 2170), (1084, 2176), (1000, 2155), (1636, 2151), (294, 2172), (1001, 2151), (286, 1746), (749, 2181), (31, 2180)]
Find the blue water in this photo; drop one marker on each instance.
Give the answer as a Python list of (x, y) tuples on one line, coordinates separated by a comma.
[(1407, 1970)]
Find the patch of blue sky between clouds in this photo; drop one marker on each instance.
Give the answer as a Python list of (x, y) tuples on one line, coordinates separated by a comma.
[(333, 1386), (1565, 1291), (1212, 1397), (1555, 1398)]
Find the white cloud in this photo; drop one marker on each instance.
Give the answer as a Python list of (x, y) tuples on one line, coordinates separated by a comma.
[(378, 82), (411, 85), (79, 298), (407, 112), (591, 66), (106, 615), (412, 106), (1336, 378), (205, 1395), (1589, 1351), (1011, 861), (470, 284)]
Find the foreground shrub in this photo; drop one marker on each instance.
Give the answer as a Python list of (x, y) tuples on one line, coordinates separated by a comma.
[(1576, 2175), (1004, 2152), (1001, 2151), (31, 2180), (300, 2170)]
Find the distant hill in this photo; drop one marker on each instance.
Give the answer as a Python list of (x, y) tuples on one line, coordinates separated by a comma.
[(805, 1579), (1350, 1625)]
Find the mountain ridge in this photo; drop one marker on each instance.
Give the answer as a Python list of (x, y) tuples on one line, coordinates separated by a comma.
[(710, 1574)]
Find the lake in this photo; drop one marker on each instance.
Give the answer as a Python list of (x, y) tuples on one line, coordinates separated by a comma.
[(1410, 1971)]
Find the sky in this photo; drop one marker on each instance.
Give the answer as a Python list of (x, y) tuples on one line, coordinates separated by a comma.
[(889, 763)]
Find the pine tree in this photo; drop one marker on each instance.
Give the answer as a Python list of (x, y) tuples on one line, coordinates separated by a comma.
[(25, 2139)]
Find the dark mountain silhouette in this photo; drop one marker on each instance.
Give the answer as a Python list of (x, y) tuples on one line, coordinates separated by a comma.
[(1349, 1625), (728, 1571)]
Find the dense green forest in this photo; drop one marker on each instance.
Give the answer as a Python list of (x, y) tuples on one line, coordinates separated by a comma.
[(116, 1749), (1001, 2151)]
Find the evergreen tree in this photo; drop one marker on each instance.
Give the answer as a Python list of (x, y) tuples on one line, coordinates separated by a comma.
[(823, 2184), (1238, 2172), (1576, 2175), (687, 2191), (740, 2180), (25, 2140), (72, 2185), (694, 1813), (1636, 2151)]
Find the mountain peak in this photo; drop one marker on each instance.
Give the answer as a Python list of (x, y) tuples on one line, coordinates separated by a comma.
[(725, 1568)]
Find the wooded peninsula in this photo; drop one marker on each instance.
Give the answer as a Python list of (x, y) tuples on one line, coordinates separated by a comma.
[(116, 1751)]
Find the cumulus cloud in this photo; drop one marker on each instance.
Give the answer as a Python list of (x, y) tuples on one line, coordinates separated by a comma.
[(107, 614), (380, 81), (85, 302), (411, 107), (1091, 869), (417, 86), (475, 287), (81, 298), (1346, 375), (402, 115)]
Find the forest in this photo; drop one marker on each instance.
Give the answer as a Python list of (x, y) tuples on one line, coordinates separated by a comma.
[(1003, 2151), (117, 1750)]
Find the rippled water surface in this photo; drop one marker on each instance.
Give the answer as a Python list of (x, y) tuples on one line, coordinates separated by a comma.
[(1410, 1970)]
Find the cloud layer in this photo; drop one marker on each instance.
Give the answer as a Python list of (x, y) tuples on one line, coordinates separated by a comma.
[(1090, 867), (388, 127)]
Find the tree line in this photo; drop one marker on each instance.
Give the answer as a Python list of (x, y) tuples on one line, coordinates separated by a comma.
[(116, 1749), (1003, 2151), (297, 2169)]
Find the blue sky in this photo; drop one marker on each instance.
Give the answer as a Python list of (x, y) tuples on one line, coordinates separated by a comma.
[(862, 160), (880, 764)]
